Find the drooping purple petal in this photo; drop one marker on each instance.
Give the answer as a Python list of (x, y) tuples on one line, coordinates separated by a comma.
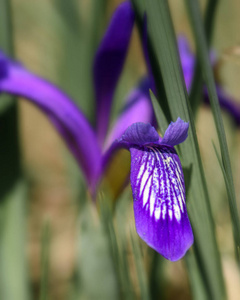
[(159, 200), (227, 103), (176, 133), (138, 108), (60, 109), (109, 62)]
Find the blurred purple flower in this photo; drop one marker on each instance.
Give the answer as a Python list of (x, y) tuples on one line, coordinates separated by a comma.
[(86, 145), (156, 174), (188, 61)]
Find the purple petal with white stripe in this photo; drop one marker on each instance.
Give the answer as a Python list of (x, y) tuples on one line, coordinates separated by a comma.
[(176, 133), (109, 62), (60, 109), (159, 200)]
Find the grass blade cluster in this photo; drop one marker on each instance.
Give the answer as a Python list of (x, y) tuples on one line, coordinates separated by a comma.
[(201, 42), (162, 40)]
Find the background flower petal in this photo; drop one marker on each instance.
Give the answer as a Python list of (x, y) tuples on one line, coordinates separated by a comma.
[(138, 108), (159, 200), (64, 114), (227, 103), (109, 62), (187, 60)]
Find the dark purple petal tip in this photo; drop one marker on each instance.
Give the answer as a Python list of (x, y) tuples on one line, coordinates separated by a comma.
[(140, 134), (3, 65), (176, 133), (159, 200)]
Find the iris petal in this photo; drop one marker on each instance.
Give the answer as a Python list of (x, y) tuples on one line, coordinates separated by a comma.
[(140, 134), (227, 103), (187, 60), (109, 62), (60, 109), (176, 133), (159, 200), (138, 108)]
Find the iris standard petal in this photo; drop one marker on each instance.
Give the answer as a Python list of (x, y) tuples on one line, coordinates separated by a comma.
[(176, 133), (140, 134), (159, 200), (63, 113), (109, 62), (138, 108)]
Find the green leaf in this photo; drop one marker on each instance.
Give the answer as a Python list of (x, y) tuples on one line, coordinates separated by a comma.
[(45, 246), (14, 281), (198, 287), (95, 266), (141, 273), (79, 37), (6, 42), (162, 39), (160, 117), (197, 85), (201, 42)]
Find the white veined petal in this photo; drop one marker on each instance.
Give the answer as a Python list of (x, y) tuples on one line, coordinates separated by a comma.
[(159, 183)]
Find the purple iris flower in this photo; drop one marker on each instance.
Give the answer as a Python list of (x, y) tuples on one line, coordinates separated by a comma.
[(188, 63), (158, 187), (156, 173)]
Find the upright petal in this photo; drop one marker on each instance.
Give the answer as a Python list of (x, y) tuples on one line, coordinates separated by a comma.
[(60, 109), (176, 133), (138, 108), (140, 134), (159, 200), (109, 62)]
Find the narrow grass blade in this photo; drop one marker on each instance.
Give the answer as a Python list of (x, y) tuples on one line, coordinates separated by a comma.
[(196, 88), (45, 246), (141, 273), (80, 37), (160, 117), (162, 39), (6, 41), (96, 276), (118, 249), (14, 271), (14, 281), (199, 291), (201, 42)]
